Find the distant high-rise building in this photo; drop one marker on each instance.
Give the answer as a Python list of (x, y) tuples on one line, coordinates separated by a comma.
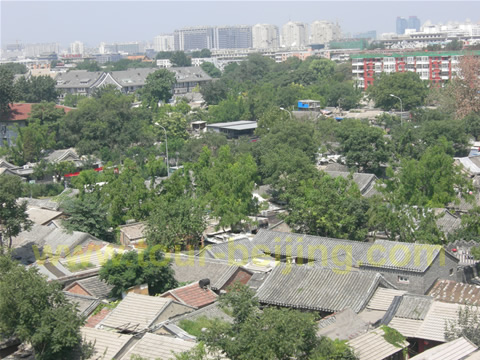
[(233, 37), (401, 25), (322, 32), (77, 48), (294, 34), (194, 38), (372, 34), (163, 43), (413, 23), (37, 49), (265, 36)]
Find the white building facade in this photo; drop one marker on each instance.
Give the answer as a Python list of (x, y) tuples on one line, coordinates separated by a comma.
[(265, 36), (294, 34), (322, 32), (163, 43)]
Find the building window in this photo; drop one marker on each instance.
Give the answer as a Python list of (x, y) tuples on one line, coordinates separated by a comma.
[(451, 272), (403, 279)]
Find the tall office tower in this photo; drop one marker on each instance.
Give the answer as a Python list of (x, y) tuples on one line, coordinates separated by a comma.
[(265, 36), (194, 38), (163, 43), (401, 25), (413, 23), (322, 32), (233, 37), (294, 34), (77, 47)]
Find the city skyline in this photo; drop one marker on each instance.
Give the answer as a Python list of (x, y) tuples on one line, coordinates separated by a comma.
[(117, 21)]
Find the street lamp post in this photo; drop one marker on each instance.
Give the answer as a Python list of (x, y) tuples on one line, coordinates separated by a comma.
[(401, 108), (289, 113), (166, 148)]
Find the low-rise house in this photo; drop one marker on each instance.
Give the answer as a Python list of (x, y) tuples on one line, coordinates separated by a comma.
[(197, 295), (411, 267), (455, 292), (79, 82), (86, 305), (62, 155), (107, 345), (41, 216), (188, 79), (234, 129), (91, 286), (17, 116), (375, 345), (457, 349), (316, 289), (365, 182), (152, 347), (447, 222), (133, 233), (343, 325), (220, 273), (138, 313)]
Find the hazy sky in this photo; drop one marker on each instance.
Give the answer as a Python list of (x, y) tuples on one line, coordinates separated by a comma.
[(115, 21)]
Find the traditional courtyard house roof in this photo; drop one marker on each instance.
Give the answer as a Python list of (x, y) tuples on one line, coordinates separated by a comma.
[(132, 233), (42, 216), (310, 288), (212, 311), (86, 304), (193, 295), (221, 273), (454, 350), (448, 223), (137, 313), (108, 345), (152, 347), (343, 325), (58, 156), (454, 292), (135, 77), (91, 286), (374, 346), (383, 298), (365, 182)]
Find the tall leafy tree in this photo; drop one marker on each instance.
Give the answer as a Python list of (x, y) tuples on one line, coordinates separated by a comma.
[(406, 85), (13, 216), (132, 268), (37, 312), (158, 86), (326, 206), (7, 89), (36, 89)]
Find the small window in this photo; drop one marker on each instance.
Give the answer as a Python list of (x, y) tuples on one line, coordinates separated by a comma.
[(451, 272), (403, 279)]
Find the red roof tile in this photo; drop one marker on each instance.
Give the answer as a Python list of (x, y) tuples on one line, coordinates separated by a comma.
[(21, 111), (193, 295), (95, 319)]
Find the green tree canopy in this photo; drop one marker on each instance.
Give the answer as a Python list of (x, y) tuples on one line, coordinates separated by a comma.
[(7, 89), (36, 89), (13, 216), (37, 312), (158, 86), (211, 70), (406, 85), (132, 268), (179, 58)]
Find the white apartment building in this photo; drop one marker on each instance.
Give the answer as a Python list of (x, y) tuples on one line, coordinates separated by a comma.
[(322, 32), (294, 34), (265, 36), (163, 43), (77, 47)]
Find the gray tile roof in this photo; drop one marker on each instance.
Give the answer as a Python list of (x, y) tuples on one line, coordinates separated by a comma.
[(344, 325), (373, 346), (190, 74), (86, 304), (212, 311), (310, 288), (364, 181), (192, 269), (42, 216), (78, 79), (41, 203), (414, 307), (448, 222), (152, 347), (108, 344), (453, 350), (383, 298), (63, 155), (136, 313), (95, 287), (132, 77)]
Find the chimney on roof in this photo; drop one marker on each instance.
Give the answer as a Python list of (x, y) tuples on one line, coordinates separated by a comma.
[(204, 283)]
